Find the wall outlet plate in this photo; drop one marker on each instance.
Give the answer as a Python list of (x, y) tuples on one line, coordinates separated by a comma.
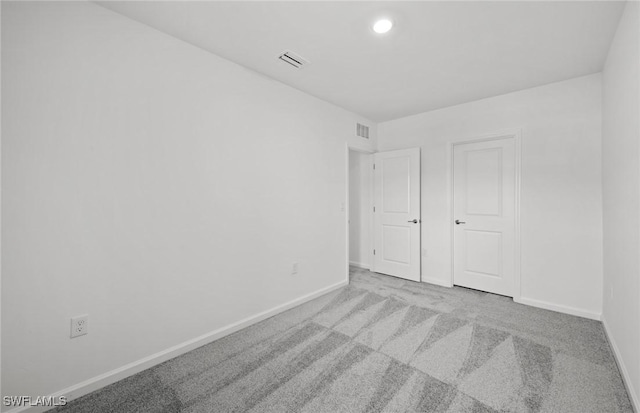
[(79, 325), (294, 268)]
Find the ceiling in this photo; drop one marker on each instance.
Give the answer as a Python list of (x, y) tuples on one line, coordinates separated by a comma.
[(438, 54)]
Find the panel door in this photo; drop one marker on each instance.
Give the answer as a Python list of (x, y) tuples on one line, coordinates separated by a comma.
[(484, 215), (397, 213)]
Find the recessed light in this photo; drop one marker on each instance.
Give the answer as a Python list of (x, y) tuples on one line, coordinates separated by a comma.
[(382, 26)]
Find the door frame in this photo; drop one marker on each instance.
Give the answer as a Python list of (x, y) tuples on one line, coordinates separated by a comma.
[(516, 134), (348, 206)]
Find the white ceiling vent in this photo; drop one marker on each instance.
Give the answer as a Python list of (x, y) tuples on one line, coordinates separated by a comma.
[(362, 130), (293, 59)]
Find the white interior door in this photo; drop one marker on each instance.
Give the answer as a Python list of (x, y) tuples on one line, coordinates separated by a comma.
[(396, 178), (484, 179)]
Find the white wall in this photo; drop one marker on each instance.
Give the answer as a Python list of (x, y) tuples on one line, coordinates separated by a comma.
[(360, 176), (162, 190), (361, 144), (621, 196), (561, 203)]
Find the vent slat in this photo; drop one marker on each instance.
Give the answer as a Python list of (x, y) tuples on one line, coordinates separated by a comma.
[(362, 130), (293, 59)]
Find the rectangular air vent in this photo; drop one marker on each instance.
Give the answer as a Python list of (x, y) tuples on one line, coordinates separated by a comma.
[(362, 131), (293, 59)]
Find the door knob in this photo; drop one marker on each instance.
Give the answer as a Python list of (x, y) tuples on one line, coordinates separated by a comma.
[(415, 221), (458, 222)]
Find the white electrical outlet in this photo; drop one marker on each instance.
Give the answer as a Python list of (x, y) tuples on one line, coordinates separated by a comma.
[(79, 325), (294, 268)]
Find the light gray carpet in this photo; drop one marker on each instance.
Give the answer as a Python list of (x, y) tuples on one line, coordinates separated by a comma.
[(385, 344)]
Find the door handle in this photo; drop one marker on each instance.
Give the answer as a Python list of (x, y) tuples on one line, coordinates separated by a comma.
[(415, 221), (458, 222)]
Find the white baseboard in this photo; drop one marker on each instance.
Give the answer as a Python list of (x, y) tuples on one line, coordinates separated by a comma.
[(559, 308), (360, 265), (95, 383), (635, 401), (436, 281)]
